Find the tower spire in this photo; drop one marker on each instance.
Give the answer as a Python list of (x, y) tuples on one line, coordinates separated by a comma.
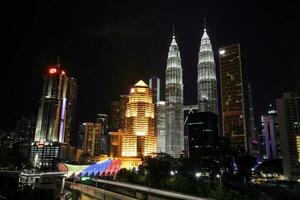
[(204, 24), (173, 32), (58, 64)]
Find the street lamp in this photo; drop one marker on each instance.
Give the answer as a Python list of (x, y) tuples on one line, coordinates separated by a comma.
[(198, 174)]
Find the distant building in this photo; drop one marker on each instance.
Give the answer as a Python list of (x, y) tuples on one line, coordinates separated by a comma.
[(139, 139), (25, 129), (92, 138), (288, 107), (271, 135), (202, 134), (174, 102), (103, 120), (160, 121), (235, 113), (118, 114), (114, 122), (154, 84)]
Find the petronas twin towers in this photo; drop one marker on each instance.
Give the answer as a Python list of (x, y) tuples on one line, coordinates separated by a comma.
[(207, 92)]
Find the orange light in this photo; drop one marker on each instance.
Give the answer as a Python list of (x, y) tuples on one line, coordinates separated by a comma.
[(52, 70)]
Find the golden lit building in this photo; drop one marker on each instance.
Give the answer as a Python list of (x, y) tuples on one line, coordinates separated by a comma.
[(139, 138)]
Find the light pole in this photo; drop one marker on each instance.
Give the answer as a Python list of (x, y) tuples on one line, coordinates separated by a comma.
[(220, 179)]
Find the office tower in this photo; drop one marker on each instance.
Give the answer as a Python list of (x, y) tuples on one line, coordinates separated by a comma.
[(233, 99), (160, 125), (114, 116), (123, 107), (92, 139), (202, 134), (288, 110), (70, 136), (207, 81), (174, 102), (55, 117), (25, 129), (139, 139), (81, 136), (154, 84), (103, 120), (271, 134), (55, 107)]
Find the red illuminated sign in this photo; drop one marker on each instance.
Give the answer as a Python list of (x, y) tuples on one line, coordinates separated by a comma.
[(52, 70)]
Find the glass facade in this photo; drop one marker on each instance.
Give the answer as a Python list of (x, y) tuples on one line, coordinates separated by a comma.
[(232, 94)]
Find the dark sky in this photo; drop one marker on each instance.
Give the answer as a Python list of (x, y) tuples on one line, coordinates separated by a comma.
[(109, 45)]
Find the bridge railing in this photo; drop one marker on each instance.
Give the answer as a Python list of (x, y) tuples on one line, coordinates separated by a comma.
[(112, 185)]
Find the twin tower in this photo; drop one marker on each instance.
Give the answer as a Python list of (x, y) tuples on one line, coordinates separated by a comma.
[(207, 93)]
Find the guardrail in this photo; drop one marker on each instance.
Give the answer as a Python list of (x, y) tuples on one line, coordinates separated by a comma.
[(149, 190)]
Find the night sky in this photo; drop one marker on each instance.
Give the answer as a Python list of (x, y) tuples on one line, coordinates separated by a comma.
[(109, 45)]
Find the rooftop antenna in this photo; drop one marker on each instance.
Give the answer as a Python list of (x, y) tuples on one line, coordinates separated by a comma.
[(204, 22), (58, 64), (173, 32)]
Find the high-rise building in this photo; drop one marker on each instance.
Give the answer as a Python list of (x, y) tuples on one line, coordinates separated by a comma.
[(139, 139), (54, 105), (207, 81), (123, 107), (288, 110), (160, 125), (70, 136), (92, 139), (233, 96), (55, 116), (25, 129), (103, 120), (174, 102), (114, 116), (271, 135), (154, 84), (202, 134)]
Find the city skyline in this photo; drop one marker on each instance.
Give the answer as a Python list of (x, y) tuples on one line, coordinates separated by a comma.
[(82, 50)]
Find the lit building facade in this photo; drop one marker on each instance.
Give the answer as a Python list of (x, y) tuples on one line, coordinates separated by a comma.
[(154, 84), (271, 135), (160, 122), (92, 139), (56, 116), (207, 81), (174, 102), (139, 138), (288, 110), (233, 99)]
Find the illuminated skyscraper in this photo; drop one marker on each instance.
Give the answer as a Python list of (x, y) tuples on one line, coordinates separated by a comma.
[(234, 101), (207, 81), (55, 116), (52, 115), (288, 107), (174, 102), (139, 139)]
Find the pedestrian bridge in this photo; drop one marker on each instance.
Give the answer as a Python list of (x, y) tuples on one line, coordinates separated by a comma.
[(111, 190)]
